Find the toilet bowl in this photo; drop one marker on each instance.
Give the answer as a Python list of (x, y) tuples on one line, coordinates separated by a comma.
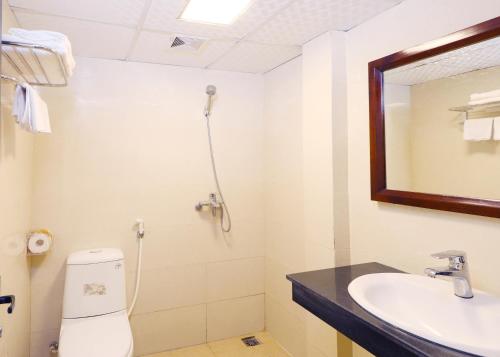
[(107, 335), (95, 321)]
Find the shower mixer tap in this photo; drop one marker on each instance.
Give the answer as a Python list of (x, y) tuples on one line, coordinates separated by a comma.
[(212, 203)]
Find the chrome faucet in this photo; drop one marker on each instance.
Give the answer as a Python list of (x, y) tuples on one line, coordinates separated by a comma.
[(457, 269), (213, 203)]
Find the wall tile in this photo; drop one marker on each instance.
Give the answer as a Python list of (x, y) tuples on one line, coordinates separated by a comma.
[(235, 278), (46, 306), (168, 288), (169, 329), (235, 317), (321, 335), (286, 327), (40, 342), (16, 182)]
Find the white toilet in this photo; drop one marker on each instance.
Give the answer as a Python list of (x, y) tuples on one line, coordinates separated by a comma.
[(95, 322)]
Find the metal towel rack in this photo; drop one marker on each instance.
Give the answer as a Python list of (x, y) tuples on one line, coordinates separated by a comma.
[(19, 57), (485, 108)]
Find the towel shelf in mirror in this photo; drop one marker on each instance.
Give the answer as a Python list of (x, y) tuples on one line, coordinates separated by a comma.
[(476, 108), (34, 64)]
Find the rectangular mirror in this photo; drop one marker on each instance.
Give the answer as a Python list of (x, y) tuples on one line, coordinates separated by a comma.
[(435, 123)]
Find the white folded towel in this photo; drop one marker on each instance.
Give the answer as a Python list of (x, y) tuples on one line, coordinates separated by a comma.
[(30, 110), (496, 128), (485, 100), (56, 41), (478, 129), (485, 95)]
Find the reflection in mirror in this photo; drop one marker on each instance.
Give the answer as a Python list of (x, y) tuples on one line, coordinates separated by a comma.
[(440, 129)]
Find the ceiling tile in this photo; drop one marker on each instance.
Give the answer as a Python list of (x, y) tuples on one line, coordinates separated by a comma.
[(256, 58), (481, 55), (163, 16), (286, 24), (305, 19), (89, 39), (121, 12), (155, 47)]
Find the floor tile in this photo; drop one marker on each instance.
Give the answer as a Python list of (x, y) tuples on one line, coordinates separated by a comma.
[(232, 347), (270, 349), (161, 354), (224, 346), (196, 351)]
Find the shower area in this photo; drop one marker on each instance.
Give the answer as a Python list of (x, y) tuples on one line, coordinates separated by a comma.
[(135, 143)]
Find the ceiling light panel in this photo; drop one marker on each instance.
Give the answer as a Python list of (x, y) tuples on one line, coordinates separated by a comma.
[(256, 58), (119, 12), (305, 19), (215, 12), (164, 16)]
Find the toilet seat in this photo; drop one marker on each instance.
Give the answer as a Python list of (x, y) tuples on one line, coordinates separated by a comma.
[(100, 336)]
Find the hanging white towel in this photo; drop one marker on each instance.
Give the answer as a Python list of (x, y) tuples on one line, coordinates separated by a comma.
[(30, 110), (485, 95), (484, 100), (478, 129), (496, 128)]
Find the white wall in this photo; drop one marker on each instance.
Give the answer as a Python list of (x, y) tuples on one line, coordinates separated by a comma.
[(306, 180), (16, 157), (317, 156), (129, 141), (398, 138), (284, 215), (443, 162), (400, 236)]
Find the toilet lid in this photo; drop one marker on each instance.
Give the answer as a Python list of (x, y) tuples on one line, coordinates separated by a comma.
[(100, 336)]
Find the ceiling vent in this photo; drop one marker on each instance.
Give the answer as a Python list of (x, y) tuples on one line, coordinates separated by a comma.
[(186, 43), (177, 42)]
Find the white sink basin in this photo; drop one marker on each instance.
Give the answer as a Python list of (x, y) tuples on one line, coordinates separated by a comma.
[(429, 309)]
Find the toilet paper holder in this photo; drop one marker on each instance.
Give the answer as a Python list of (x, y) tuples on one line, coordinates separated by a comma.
[(39, 242)]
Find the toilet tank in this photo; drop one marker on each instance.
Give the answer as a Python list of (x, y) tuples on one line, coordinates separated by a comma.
[(94, 284)]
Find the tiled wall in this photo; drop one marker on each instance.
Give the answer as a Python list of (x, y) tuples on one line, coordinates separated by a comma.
[(129, 141), (301, 184), (400, 236), (284, 223), (16, 158)]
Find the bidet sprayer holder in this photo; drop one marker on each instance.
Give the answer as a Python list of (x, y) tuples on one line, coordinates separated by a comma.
[(140, 228)]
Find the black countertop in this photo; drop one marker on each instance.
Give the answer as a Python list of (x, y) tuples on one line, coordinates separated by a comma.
[(324, 294)]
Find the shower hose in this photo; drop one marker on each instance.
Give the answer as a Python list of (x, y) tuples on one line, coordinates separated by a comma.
[(225, 217)]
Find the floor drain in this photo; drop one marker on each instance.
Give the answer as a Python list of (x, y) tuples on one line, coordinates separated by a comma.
[(250, 341)]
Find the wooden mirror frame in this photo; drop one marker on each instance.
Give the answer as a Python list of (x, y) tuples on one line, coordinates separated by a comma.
[(379, 191)]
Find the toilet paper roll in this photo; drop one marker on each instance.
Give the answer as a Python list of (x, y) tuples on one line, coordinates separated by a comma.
[(39, 242)]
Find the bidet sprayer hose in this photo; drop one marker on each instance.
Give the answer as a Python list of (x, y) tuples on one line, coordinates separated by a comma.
[(140, 236)]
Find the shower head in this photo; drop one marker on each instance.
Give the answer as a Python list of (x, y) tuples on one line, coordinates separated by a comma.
[(211, 90)]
